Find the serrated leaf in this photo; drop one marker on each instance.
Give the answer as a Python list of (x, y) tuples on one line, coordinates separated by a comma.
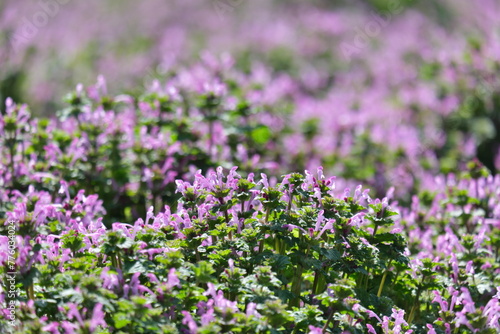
[(134, 267)]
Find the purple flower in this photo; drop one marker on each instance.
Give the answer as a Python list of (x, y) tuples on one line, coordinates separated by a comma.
[(252, 310), (173, 280), (70, 328), (110, 280), (74, 313), (315, 330), (97, 317), (52, 327), (188, 320), (431, 329), (208, 317)]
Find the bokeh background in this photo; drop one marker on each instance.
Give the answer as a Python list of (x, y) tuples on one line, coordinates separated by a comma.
[(49, 46)]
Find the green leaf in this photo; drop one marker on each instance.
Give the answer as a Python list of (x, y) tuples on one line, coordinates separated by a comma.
[(125, 243), (279, 262), (330, 254), (121, 320), (261, 134), (203, 272), (134, 267)]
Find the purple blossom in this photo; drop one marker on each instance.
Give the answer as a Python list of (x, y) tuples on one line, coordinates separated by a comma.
[(315, 330), (188, 320), (173, 280)]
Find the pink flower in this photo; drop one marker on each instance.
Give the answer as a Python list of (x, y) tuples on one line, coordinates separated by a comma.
[(431, 329), (370, 328), (315, 330), (173, 280), (97, 317), (52, 327), (188, 320)]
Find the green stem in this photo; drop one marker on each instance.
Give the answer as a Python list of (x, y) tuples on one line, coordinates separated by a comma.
[(289, 208), (261, 243), (226, 216), (30, 292), (382, 282), (328, 321), (261, 246), (297, 281), (119, 261), (381, 286), (115, 261), (268, 210), (277, 247), (321, 287), (396, 276), (315, 284), (416, 305), (414, 308), (296, 286)]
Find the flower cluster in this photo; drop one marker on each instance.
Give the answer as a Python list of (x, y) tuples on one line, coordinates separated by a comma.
[(239, 254), (129, 151), (182, 206)]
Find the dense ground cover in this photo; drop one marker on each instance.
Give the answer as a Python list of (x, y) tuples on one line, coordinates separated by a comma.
[(204, 200)]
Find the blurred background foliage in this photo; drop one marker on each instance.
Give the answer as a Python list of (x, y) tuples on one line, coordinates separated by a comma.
[(126, 38)]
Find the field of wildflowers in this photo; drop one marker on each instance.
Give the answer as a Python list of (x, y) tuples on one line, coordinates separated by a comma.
[(234, 166)]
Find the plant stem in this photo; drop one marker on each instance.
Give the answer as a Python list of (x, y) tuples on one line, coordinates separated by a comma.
[(261, 244), (328, 321), (382, 282), (30, 292), (289, 208), (268, 210), (296, 285), (119, 261), (381, 286), (315, 284), (415, 306), (226, 216)]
